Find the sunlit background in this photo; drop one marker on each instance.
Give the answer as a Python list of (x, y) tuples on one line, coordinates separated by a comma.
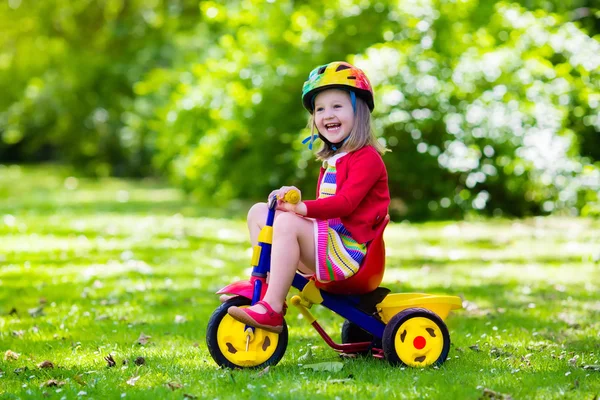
[(489, 107)]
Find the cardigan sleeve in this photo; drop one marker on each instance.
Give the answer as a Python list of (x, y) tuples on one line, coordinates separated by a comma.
[(363, 172)]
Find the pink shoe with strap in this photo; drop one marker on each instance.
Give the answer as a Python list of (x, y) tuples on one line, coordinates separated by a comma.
[(270, 321)]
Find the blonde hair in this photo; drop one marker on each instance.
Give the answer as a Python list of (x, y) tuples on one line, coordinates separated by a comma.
[(361, 135)]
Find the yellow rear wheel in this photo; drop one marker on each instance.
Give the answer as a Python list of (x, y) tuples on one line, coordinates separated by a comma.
[(230, 345), (416, 337)]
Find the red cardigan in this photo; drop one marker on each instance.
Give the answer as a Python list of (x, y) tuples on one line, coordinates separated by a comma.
[(362, 195)]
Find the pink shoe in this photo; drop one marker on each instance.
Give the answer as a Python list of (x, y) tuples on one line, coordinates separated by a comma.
[(225, 297), (270, 321)]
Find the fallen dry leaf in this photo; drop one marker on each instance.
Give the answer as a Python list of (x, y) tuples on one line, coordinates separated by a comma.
[(592, 367), (174, 385), (110, 360), (20, 370), (498, 352), (131, 381), (475, 347), (36, 312), (18, 333), (339, 380), (46, 364), (326, 366), (10, 355), (180, 319), (79, 379), (189, 396), (263, 372), (143, 339), (573, 361), (140, 361), (54, 382), (306, 356), (491, 395)]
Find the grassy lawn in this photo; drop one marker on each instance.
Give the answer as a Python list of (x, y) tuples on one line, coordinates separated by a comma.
[(88, 266)]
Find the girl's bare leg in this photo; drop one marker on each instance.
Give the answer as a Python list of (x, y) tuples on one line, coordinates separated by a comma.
[(257, 217), (293, 243)]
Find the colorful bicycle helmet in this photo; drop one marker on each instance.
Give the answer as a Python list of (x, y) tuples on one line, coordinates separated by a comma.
[(337, 74)]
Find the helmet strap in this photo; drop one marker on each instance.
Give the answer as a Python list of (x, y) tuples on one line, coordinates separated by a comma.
[(332, 146), (310, 140)]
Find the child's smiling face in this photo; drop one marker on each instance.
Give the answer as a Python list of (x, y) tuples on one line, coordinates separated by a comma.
[(334, 115)]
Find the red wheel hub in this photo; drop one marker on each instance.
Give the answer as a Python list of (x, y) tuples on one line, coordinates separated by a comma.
[(419, 342)]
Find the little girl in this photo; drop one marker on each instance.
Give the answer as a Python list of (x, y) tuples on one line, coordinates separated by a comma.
[(328, 236)]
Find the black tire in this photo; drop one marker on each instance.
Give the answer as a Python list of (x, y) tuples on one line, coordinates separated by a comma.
[(352, 333), (438, 327), (212, 340)]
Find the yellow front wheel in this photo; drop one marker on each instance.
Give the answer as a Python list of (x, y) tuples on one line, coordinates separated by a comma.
[(416, 337), (231, 346)]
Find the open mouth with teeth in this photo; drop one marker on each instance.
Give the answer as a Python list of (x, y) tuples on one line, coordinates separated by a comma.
[(333, 127)]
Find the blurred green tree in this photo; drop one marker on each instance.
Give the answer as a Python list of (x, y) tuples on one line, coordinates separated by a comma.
[(67, 71), (489, 107)]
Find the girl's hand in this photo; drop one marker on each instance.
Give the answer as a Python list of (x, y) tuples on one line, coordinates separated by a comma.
[(290, 194), (298, 208), (285, 190)]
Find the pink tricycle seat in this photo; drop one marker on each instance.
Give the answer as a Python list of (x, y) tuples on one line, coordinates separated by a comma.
[(370, 274)]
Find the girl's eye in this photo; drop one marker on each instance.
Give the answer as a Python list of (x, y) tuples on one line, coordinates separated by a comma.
[(319, 109), (337, 106)]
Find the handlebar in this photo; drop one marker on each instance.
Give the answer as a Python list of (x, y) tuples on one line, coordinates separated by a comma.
[(292, 197)]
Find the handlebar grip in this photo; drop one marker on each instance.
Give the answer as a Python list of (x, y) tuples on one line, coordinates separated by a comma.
[(292, 197)]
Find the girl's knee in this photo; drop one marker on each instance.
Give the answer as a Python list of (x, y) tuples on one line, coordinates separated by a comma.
[(286, 222), (258, 212)]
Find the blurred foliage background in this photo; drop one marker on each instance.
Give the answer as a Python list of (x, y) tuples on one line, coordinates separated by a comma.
[(489, 107)]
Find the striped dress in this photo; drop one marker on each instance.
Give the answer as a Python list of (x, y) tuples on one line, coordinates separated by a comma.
[(338, 255)]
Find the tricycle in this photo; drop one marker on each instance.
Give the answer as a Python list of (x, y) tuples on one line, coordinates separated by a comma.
[(403, 328)]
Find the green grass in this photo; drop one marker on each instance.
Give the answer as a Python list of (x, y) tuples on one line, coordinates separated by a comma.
[(107, 260)]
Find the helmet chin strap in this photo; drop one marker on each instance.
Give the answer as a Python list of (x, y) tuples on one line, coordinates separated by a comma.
[(332, 146)]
